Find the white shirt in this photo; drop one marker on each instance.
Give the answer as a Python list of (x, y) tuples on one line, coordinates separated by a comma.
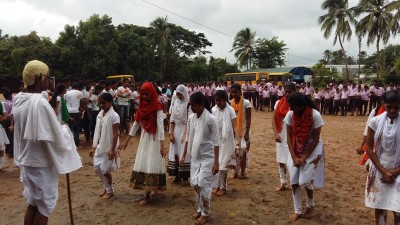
[(126, 92), (73, 98)]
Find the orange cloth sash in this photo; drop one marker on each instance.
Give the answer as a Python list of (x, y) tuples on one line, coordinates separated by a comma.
[(280, 112), (238, 107)]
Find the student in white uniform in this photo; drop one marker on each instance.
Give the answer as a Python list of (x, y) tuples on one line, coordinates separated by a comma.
[(202, 145), (226, 119), (105, 142), (306, 159), (45, 147), (179, 117), (242, 109), (383, 148), (281, 108), (3, 135)]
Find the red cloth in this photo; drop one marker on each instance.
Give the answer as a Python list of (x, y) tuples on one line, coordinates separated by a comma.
[(364, 147), (302, 126), (280, 112), (146, 114)]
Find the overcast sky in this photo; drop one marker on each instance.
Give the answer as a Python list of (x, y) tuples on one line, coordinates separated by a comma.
[(293, 21)]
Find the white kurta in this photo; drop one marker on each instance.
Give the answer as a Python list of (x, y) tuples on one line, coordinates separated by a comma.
[(149, 169), (307, 173), (202, 162), (227, 140), (282, 149), (100, 157), (379, 195)]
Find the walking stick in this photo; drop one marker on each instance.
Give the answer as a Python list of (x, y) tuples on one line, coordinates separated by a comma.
[(69, 201)]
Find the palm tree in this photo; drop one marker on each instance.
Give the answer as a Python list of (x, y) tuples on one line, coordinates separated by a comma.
[(338, 18), (327, 56), (395, 5), (375, 24), (159, 38), (243, 45)]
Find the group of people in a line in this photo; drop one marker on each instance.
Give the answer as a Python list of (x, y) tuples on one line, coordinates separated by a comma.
[(209, 135)]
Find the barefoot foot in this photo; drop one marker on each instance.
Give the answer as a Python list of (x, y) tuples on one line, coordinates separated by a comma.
[(102, 194), (201, 220), (309, 212), (281, 188), (220, 192), (215, 190), (196, 215), (108, 195), (144, 201), (295, 217)]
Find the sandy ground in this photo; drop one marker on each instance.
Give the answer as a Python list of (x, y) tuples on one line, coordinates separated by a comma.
[(250, 201)]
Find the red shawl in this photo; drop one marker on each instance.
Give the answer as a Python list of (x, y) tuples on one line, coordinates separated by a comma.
[(364, 147), (280, 112), (146, 114), (301, 130)]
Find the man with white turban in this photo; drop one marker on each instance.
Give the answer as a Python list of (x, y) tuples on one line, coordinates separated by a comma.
[(43, 147)]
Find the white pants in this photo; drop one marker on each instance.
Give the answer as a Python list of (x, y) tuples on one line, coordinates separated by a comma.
[(283, 174), (40, 188), (203, 200), (107, 185), (297, 200)]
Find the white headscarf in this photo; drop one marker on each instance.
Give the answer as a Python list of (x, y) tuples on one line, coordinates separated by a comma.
[(179, 112)]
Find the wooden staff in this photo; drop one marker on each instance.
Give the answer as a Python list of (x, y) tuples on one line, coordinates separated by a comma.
[(69, 201)]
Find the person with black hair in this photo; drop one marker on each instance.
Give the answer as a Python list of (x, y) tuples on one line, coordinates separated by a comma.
[(105, 142), (242, 109), (94, 100), (202, 143), (58, 103), (124, 94), (383, 148), (226, 119), (281, 108), (306, 159), (9, 123), (74, 105)]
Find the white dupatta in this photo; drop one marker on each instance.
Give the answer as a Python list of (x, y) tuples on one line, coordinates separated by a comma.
[(104, 136), (196, 133)]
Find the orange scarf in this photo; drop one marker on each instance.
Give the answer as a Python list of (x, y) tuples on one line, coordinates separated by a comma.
[(280, 112), (364, 147), (238, 107), (301, 130)]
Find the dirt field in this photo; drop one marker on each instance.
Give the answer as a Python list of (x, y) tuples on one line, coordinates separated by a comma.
[(251, 201)]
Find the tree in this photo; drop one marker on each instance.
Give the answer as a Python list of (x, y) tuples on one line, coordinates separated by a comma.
[(270, 53), (159, 39), (243, 45), (338, 18), (327, 56), (376, 24)]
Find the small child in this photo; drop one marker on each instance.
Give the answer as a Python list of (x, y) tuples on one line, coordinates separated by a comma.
[(105, 142)]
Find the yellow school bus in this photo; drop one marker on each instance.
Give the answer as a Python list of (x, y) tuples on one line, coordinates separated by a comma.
[(241, 78), (120, 78)]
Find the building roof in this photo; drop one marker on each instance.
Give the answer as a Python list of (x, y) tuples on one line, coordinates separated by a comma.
[(299, 70)]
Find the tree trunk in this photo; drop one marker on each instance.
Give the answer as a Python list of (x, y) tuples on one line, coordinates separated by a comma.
[(345, 58), (377, 56), (359, 58)]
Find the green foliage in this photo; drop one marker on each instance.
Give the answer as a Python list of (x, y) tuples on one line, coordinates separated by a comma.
[(243, 46), (323, 75), (96, 48), (270, 53)]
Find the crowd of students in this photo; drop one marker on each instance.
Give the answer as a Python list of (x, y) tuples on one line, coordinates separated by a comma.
[(209, 135)]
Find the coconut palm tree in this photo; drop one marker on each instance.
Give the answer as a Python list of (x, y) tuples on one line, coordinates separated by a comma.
[(244, 45), (392, 6), (375, 24), (159, 38), (327, 56), (338, 19)]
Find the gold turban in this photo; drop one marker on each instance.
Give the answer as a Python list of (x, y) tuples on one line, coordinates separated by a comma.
[(34, 68)]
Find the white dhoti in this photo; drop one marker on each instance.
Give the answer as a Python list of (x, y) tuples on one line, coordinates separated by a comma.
[(40, 188), (103, 166)]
